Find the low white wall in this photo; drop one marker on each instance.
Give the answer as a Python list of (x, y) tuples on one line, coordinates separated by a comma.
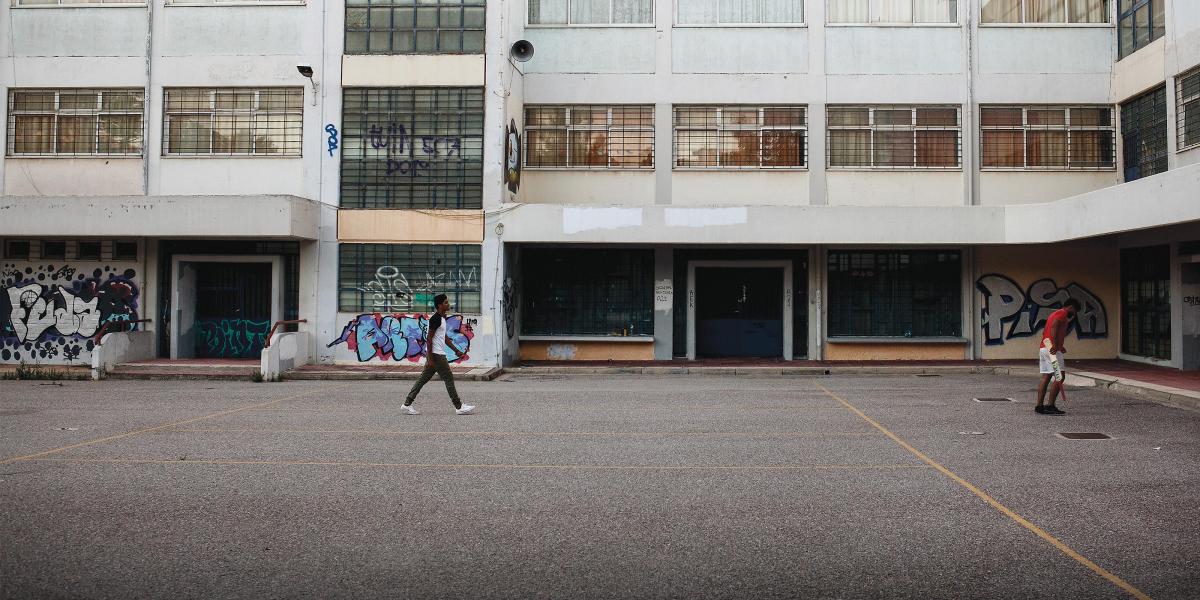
[(121, 347), (286, 352)]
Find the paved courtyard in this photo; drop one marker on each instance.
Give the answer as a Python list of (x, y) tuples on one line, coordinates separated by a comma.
[(595, 487)]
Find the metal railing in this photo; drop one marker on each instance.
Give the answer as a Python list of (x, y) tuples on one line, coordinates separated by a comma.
[(116, 325), (270, 334)]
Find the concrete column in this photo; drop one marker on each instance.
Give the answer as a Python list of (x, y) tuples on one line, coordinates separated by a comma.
[(664, 315)]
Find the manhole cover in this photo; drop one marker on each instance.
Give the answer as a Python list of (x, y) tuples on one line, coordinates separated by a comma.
[(1090, 435), (929, 375), (993, 399)]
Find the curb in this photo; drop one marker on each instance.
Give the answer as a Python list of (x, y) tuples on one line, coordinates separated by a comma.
[(477, 374)]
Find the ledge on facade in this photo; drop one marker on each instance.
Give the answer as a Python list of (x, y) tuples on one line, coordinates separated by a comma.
[(251, 216), (587, 338), (896, 340)]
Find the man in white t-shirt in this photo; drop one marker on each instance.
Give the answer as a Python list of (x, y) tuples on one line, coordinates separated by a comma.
[(435, 360)]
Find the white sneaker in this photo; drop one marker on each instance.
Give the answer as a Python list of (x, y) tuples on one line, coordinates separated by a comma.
[(466, 409), (408, 410)]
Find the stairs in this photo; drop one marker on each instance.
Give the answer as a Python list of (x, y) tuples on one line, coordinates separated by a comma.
[(154, 370)]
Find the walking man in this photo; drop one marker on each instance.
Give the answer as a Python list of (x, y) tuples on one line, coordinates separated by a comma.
[(435, 360), (1056, 332)]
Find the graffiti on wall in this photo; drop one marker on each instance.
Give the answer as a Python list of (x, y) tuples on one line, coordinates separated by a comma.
[(512, 157), (1009, 311), (509, 306), (49, 312), (400, 336), (231, 338), (332, 140), (393, 291), (395, 139)]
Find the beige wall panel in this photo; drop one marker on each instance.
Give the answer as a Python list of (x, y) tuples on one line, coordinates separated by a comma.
[(1089, 272), (902, 351), (411, 226), (572, 350), (412, 70)]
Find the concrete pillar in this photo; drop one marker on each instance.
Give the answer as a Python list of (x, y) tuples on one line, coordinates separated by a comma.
[(664, 314)]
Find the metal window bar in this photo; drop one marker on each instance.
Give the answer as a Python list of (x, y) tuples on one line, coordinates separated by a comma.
[(874, 12), (404, 278), (233, 121), (1144, 134), (895, 293), (726, 15), (23, 3), (892, 137), (773, 142), (567, 291), (1059, 11), (1187, 103), (401, 27), (412, 148), (1030, 138), (569, 137), (1146, 301), (641, 13), (75, 122)]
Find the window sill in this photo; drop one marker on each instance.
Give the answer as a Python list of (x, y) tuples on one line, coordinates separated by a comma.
[(941, 25), (242, 3), (895, 340), (740, 169), (741, 26), (1047, 25), (1047, 170), (585, 169), (895, 169), (635, 339), (590, 26), (70, 156), (222, 156), (81, 5)]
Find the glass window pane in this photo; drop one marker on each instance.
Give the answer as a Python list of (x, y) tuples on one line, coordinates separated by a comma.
[(588, 149), (697, 12), (231, 134), (1001, 11), (585, 12), (893, 149), (546, 148), (783, 148), (632, 116), (1091, 116), (277, 134), (1092, 149), (76, 135), (891, 11), (547, 12), (1044, 11), (589, 116), (740, 148), (631, 149), (1046, 148), (783, 117), (696, 148), (545, 116), (893, 117), (935, 11), (33, 101), (733, 117), (696, 117), (188, 100), (120, 134), (1003, 148), (78, 101), (190, 134), (1046, 117), (848, 116), (848, 11), (943, 117), (33, 134), (130, 101), (849, 148), (631, 11), (231, 100), (937, 148), (1000, 117), (1088, 11)]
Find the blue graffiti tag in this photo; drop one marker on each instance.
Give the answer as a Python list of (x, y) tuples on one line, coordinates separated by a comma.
[(333, 137)]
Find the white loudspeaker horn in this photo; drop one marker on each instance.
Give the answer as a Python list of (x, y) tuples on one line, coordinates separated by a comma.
[(521, 51)]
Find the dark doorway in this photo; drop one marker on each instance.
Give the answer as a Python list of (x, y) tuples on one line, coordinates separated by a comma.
[(233, 309), (739, 312)]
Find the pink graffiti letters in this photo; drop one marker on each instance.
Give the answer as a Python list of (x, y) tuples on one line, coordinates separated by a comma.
[(400, 336)]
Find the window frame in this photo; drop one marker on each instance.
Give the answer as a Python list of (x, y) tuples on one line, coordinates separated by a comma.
[(388, 253), (567, 128), (675, 23), (1134, 139), (1025, 128), (10, 150), (920, 273), (871, 126), (1182, 108), (213, 112), (719, 128), (437, 6), (1129, 15), (197, 3), (1109, 22), (957, 22), (61, 4), (653, 19)]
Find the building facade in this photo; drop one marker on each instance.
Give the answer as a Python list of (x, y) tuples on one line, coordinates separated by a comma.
[(661, 179)]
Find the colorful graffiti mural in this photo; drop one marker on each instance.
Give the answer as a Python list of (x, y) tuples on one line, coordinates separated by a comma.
[(400, 336), (230, 338), (1024, 311), (48, 312)]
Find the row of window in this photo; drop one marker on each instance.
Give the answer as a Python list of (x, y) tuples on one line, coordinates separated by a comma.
[(82, 250), (622, 137), (791, 12)]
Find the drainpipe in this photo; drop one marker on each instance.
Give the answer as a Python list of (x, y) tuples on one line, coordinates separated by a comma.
[(148, 102)]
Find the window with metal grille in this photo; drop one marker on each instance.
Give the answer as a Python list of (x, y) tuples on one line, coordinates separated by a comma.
[(412, 148), (1139, 22), (233, 121), (402, 27), (404, 278), (739, 12), (75, 122), (1187, 109), (88, 251), (731, 137), (1144, 134), (895, 293), (1047, 137), (1044, 11), (81, 3), (589, 137), (1146, 301), (892, 11), (894, 137), (591, 12), (572, 291)]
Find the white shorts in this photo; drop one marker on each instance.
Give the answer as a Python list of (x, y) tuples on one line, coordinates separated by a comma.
[(1044, 366)]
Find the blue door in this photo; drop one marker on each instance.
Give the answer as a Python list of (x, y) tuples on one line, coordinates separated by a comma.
[(739, 312)]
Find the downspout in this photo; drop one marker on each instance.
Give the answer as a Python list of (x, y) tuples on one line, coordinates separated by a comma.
[(148, 100), (972, 183)]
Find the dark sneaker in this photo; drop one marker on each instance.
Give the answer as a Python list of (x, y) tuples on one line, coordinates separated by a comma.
[(1041, 410), (1053, 410)]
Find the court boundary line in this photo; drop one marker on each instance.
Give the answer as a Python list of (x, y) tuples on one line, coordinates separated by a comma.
[(386, 432), (127, 434), (1008, 512)]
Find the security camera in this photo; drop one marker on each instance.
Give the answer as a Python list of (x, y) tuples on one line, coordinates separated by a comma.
[(305, 70)]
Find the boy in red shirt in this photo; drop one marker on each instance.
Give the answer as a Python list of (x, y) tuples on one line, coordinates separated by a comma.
[(1056, 331)]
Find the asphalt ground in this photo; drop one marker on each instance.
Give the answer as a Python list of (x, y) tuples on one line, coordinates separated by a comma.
[(594, 487)]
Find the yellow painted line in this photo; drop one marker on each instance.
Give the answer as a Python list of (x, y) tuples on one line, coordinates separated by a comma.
[(321, 463), (539, 433), (1065, 549), (159, 427)]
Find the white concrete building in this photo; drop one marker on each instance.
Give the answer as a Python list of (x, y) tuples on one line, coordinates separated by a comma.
[(820, 179)]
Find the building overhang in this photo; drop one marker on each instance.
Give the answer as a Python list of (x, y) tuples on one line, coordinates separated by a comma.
[(1163, 200), (243, 216)]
